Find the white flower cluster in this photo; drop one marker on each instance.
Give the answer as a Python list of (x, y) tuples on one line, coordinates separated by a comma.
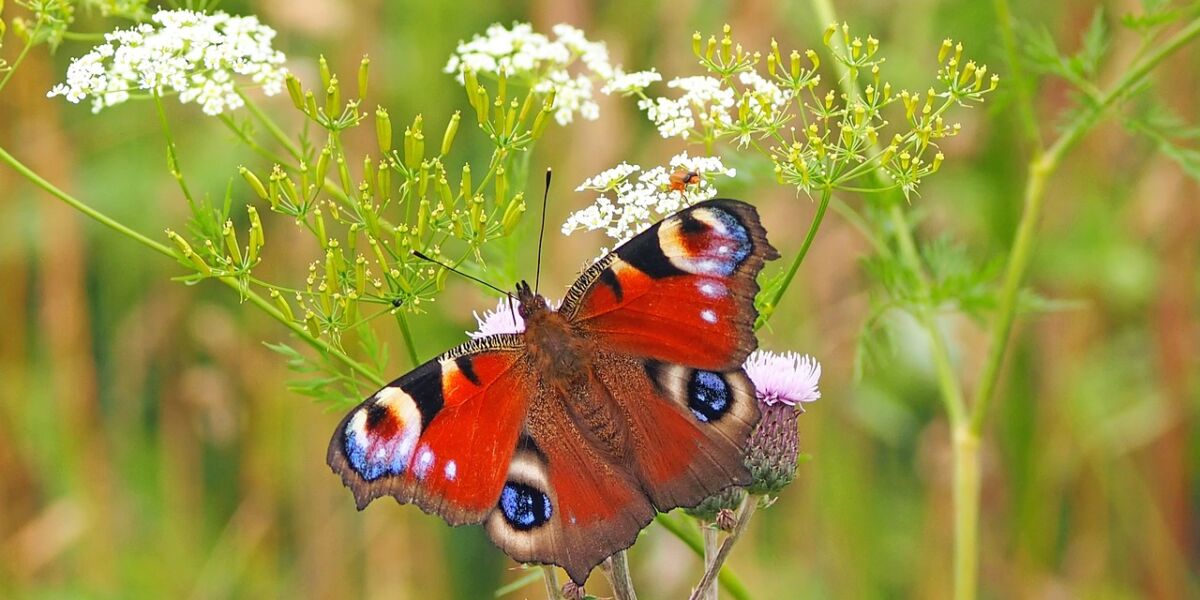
[(193, 54), (706, 103), (543, 63), (628, 84), (626, 206)]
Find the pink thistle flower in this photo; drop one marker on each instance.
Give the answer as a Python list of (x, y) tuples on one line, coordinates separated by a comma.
[(783, 382), (786, 378), (502, 319)]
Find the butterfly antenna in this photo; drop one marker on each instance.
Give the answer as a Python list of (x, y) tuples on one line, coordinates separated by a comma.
[(453, 270), (541, 234), (512, 311)]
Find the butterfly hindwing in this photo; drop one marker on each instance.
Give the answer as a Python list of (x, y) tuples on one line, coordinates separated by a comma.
[(682, 291), (568, 499), (688, 427), (441, 436)]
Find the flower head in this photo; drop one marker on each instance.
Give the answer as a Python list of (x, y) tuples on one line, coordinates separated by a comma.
[(782, 382), (628, 205), (502, 319), (544, 64), (705, 103), (786, 378), (195, 55)]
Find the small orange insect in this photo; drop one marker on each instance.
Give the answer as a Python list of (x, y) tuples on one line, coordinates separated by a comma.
[(681, 179)]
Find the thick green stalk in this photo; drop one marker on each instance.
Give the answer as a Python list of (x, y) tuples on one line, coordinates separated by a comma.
[(1040, 170)]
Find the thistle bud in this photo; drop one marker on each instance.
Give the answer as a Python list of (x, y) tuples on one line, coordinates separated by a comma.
[(708, 509)]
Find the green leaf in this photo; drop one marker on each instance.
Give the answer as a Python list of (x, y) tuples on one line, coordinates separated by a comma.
[(1094, 46), (1171, 135)]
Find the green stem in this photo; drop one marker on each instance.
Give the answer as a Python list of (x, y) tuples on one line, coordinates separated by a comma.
[(24, 51), (966, 511), (1040, 170), (255, 299), (773, 303), (729, 580), (272, 127), (745, 513), (406, 333), (94, 214), (1016, 73)]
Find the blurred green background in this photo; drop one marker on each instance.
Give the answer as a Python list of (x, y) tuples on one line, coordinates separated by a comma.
[(149, 446)]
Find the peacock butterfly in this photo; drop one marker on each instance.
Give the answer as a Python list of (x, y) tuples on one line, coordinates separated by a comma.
[(564, 440)]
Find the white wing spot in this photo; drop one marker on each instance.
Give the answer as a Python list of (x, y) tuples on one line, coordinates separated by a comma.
[(424, 461), (708, 315), (711, 289), (451, 470)]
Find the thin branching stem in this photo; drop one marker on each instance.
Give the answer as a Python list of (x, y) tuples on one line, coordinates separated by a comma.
[(262, 303), (1040, 170), (745, 513)]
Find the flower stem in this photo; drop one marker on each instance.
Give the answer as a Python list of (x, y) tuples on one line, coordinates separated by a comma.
[(709, 531), (1040, 170), (773, 303), (406, 333), (24, 51), (966, 511), (622, 583), (255, 299), (94, 214), (727, 578), (553, 589), (749, 505)]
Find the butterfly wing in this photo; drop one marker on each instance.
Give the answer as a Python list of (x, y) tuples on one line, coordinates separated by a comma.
[(566, 500), (682, 291), (441, 436), (689, 427), (673, 311)]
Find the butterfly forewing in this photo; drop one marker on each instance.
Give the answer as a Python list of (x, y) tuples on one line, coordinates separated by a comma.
[(682, 291), (441, 436)]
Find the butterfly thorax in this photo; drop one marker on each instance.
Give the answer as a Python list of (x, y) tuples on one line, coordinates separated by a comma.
[(565, 360)]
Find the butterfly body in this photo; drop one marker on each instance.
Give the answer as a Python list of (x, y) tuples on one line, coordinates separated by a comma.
[(564, 439)]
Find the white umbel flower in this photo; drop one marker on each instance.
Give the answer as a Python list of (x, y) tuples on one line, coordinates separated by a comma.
[(569, 64), (198, 56), (627, 204)]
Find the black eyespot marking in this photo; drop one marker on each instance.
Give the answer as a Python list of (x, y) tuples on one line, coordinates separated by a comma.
[(376, 414), (646, 255), (424, 386), (690, 225), (607, 277), (467, 369), (524, 506), (709, 396)]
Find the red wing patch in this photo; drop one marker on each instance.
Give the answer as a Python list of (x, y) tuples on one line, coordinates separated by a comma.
[(440, 437), (681, 291)]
